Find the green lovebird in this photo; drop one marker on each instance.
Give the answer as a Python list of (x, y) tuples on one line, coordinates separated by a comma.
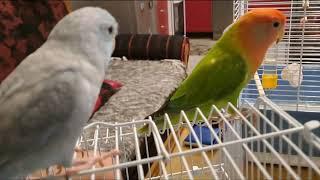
[(227, 68)]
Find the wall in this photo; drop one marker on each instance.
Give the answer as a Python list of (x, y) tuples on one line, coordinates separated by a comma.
[(222, 16), (146, 16), (133, 16), (137, 17)]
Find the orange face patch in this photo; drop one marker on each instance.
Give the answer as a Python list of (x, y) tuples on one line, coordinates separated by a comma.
[(257, 30)]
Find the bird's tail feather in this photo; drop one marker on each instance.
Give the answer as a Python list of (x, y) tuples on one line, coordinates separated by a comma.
[(159, 121)]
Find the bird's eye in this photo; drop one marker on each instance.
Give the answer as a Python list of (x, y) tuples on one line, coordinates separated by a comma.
[(276, 24), (110, 29)]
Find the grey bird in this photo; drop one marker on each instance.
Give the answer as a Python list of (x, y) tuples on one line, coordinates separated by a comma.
[(50, 96)]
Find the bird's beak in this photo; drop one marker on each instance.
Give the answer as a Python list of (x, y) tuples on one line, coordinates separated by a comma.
[(280, 37), (278, 40), (113, 44)]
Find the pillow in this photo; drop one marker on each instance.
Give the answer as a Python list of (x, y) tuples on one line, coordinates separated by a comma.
[(108, 88)]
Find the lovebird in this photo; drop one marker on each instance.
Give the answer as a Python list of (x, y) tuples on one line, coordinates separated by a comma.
[(227, 68), (49, 97)]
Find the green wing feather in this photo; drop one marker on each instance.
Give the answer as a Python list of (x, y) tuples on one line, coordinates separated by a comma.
[(217, 79)]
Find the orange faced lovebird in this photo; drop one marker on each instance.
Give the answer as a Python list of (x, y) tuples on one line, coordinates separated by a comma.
[(227, 68)]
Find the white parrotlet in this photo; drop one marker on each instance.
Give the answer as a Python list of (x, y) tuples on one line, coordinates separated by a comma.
[(50, 96)]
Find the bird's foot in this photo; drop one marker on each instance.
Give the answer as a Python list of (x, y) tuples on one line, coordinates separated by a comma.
[(80, 163), (86, 163), (58, 168), (82, 151), (52, 170)]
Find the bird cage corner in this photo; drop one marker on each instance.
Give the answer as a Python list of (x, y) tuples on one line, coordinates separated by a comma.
[(290, 73)]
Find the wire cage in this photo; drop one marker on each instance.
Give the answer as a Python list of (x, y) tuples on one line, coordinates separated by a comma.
[(290, 74), (259, 143)]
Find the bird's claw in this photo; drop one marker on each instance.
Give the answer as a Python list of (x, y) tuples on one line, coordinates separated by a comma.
[(59, 169), (80, 165), (101, 163), (54, 170), (80, 150)]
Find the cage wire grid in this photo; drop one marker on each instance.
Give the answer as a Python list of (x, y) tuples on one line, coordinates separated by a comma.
[(294, 61), (257, 143)]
